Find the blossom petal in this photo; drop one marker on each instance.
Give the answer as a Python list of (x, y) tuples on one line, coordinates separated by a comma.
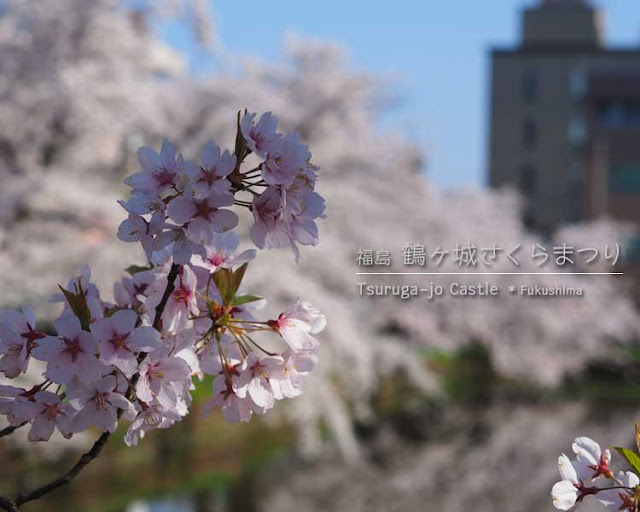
[(181, 210), (224, 220), (145, 339), (68, 326), (124, 321), (41, 429), (210, 155), (587, 449), (564, 495)]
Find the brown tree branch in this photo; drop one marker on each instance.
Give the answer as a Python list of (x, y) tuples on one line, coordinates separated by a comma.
[(68, 476), (13, 504), (171, 285), (8, 504)]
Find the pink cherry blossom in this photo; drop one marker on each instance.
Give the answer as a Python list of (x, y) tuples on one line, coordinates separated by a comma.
[(142, 202), (133, 228), (220, 252), (160, 172), (206, 214), (183, 301), (158, 372), (120, 341), (284, 160), (180, 215), (18, 338), (262, 136), (288, 383), (48, 411), (254, 379), (282, 219), (70, 354), (234, 409), (179, 246), (213, 170), (302, 223), (152, 416), (270, 229), (297, 323), (17, 404), (136, 229), (129, 291), (97, 404)]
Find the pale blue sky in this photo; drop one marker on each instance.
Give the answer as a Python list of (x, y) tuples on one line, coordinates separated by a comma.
[(439, 49)]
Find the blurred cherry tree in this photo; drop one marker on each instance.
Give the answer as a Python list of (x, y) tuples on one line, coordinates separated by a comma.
[(83, 84)]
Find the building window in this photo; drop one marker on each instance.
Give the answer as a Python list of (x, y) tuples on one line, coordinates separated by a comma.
[(578, 85), (577, 132), (619, 114), (529, 86), (529, 133), (528, 181), (625, 178)]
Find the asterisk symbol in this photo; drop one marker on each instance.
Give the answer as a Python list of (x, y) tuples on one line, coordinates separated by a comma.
[(512, 289)]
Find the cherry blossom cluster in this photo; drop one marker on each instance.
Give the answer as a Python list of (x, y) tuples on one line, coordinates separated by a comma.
[(185, 314), (186, 203), (589, 473)]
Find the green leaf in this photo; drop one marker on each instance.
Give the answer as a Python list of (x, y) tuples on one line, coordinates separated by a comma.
[(222, 279), (630, 456), (245, 299), (241, 150), (78, 303), (228, 282), (135, 269), (237, 278)]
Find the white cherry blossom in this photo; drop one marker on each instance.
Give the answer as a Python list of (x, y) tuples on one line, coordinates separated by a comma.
[(621, 499), (571, 489), (593, 460)]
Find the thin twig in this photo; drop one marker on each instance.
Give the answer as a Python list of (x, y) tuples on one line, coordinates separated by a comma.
[(11, 429), (13, 504)]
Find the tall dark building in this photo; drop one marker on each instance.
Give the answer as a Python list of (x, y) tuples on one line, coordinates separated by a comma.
[(561, 120)]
